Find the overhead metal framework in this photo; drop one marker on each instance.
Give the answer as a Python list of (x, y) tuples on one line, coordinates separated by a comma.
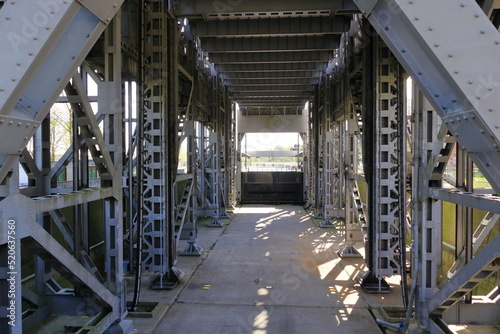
[(277, 55)]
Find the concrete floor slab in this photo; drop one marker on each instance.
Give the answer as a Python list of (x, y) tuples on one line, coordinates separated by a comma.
[(273, 270), (238, 319)]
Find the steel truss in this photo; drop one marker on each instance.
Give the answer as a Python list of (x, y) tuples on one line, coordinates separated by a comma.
[(465, 99), (44, 69), (185, 100)]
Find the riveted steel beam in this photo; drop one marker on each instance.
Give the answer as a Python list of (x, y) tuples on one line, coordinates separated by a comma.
[(271, 57), (269, 27), (270, 81), (239, 8), (256, 103), (270, 44), (270, 67), (272, 88), (489, 203), (266, 100), (295, 108), (274, 76), (275, 94)]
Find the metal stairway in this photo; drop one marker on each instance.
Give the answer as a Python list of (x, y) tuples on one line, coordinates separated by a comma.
[(359, 211), (45, 246), (479, 236), (436, 167), (476, 271), (183, 209), (64, 227)]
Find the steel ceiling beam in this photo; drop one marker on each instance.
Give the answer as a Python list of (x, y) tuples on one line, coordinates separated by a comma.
[(270, 57), (274, 88), (281, 105), (269, 75), (270, 67), (216, 9), (270, 100), (270, 44), (264, 85), (271, 81), (305, 95), (265, 100), (275, 94), (269, 27), (267, 104)]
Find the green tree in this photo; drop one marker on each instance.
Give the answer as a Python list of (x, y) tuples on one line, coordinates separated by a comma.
[(61, 129)]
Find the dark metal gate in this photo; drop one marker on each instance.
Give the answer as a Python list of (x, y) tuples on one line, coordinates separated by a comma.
[(272, 187)]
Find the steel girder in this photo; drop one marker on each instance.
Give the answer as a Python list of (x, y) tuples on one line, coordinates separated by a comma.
[(384, 146), (426, 213), (259, 8), (111, 104), (271, 82), (461, 84), (278, 68), (276, 90), (485, 202), (319, 57), (269, 44), (268, 27), (279, 94), (167, 123), (389, 179)]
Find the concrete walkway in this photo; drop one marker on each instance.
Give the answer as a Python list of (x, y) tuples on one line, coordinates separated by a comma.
[(273, 271)]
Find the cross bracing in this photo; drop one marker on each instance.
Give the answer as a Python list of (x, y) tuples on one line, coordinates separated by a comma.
[(139, 79)]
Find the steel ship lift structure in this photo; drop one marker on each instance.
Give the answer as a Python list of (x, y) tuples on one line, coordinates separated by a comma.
[(141, 79)]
